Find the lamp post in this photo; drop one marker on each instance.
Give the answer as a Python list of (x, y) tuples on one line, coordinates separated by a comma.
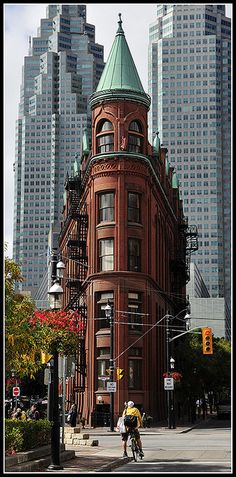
[(110, 316), (55, 300)]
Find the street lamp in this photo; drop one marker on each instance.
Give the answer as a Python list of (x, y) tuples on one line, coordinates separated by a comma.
[(110, 316), (55, 300)]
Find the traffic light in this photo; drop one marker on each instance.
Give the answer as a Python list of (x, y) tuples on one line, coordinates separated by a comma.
[(207, 345), (119, 373), (45, 357)]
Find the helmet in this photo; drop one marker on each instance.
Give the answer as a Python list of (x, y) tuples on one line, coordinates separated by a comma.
[(130, 403)]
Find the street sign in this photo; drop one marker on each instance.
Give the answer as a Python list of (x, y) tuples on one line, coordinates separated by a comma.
[(169, 384), (16, 391), (104, 378), (111, 387)]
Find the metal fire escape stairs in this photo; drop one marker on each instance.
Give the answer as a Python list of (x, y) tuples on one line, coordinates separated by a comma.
[(180, 265), (77, 253)]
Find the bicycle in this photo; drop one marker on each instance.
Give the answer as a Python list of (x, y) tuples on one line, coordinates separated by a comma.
[(134, 445)]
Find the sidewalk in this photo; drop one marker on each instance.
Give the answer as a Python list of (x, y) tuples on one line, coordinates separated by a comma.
[(90, 459)]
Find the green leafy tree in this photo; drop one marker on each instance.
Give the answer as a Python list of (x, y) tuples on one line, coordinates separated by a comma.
[(30, 333), (21, 353), (202, 373)]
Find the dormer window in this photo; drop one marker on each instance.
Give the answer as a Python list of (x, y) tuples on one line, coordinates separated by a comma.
[(135, 142), (105, 137)]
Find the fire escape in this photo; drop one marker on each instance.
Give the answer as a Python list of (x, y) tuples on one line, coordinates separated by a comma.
[(191, 235), (77, 254), (180, 265)]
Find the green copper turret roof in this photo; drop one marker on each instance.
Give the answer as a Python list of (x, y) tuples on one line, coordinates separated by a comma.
[(120, 71), (120, 77), (175, 182)]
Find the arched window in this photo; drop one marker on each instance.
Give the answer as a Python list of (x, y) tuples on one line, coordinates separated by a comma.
[(105, 137), (135, 143)]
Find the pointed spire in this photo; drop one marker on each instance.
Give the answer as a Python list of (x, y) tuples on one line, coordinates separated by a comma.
[(167, 165), (120, 77), (156, 143), (175, 182), (85, 142), (76, 165)]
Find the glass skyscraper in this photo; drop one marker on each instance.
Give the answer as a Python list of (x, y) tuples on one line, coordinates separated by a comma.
[(61, 71), (190, 87)]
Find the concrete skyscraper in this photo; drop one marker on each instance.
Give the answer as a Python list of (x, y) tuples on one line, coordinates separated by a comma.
[(190, 87), (61, 71)]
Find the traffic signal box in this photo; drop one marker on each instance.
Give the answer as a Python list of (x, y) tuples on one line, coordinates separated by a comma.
[(207, 345)]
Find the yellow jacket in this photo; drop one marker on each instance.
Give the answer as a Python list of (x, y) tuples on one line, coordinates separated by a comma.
[(134, 412)]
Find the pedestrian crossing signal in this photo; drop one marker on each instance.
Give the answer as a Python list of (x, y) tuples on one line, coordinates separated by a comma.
[(207, 345)]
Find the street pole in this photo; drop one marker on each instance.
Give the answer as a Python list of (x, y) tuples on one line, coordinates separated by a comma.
[(50, 364), (55, 297), (168, 368), (109, 311), (172, 403), (112, 368), (55, 436)]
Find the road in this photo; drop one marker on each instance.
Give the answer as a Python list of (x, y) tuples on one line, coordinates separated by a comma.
[(202, 450)]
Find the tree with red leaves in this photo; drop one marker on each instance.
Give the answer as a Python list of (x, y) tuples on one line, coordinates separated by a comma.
[(59, 328)]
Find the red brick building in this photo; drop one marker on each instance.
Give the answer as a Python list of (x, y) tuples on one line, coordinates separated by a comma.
[(124, 236)]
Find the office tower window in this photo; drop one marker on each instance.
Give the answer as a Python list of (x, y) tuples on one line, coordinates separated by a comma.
[(134, 263), (135, 141), (106, 255), (133, 207), (106, 212), (105, 137)]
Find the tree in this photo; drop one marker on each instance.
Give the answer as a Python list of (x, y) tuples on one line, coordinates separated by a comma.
[(202, 373), (28, 332), (58, 329), (21, 353)]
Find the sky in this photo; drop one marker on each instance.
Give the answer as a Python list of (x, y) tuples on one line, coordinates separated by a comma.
[(21, 21)]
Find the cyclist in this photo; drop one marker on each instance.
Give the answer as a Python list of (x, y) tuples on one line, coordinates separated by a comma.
[(130, 409)]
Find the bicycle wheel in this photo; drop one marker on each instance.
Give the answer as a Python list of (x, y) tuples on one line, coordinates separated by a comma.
[(134, 449)]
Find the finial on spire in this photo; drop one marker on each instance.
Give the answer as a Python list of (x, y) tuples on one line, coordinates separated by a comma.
[(120, 29)]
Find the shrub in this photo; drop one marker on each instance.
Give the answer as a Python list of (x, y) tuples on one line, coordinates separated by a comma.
[(26, 435), (14, 440)]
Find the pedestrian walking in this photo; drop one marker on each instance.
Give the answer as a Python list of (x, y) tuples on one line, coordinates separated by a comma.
[(72, 415), (33, 413)]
